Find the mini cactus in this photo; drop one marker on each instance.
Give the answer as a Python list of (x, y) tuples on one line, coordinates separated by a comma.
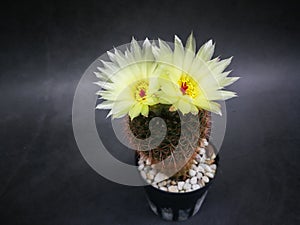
[(188, 146), (153, 80)]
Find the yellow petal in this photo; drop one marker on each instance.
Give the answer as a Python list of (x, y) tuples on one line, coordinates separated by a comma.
[(221, 95), (178, 52), (194, 109), (166, 99), (105, 105), (191, 43), (145, 110), (206, 51), (135, 110), (184, 106), (229, 80), (121, 106), (203, 103), (170, 89)]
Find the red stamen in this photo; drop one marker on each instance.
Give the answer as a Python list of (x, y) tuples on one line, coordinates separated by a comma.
[(142, 93), (183, 87)]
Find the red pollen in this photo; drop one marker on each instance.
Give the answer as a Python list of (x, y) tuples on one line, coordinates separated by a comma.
[(183, 87), (142, 93)]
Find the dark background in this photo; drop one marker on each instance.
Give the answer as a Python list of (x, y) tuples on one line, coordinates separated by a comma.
[(47, 45)]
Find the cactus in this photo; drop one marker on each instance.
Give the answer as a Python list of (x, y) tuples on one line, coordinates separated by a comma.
[(187, 146), (154, 80)]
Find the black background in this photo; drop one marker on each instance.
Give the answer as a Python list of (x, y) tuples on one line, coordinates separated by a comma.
[(47, 45)]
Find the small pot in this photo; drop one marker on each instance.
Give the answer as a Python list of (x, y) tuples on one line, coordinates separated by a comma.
[(177, 206)]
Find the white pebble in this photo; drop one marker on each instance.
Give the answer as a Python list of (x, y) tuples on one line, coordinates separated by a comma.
[(211, 175), (193, 180), (155, 185), (201, 183), (172, 188), (196, 186), (153, 172), (163, 188), (187, 186), (148, 162), (207, 168), (162, 184), (198, 158), (194, 167), (200, 168), (199, 175), (202, 151), (141, 167), (192, 172), (213, 156), (205, 142), (213, 166), (160, 177), (203, 158), (205, 179), (180, 185), (143, 174), (147, 169), (150, 176), (195, 162), (188, 190)]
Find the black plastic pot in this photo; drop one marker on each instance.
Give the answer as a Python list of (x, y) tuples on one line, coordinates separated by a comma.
[(177, 206)]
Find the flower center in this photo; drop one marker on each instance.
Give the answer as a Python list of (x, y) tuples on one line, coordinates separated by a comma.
[(188, 86), (141, 88), (142, 93)]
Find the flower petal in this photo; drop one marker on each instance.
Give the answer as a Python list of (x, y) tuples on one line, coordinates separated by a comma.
[(135, 110), (184, 106), (206, 51), (145, 110)]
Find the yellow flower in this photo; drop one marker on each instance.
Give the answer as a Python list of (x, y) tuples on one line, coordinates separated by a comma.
[(189, 80), (128, 81)]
